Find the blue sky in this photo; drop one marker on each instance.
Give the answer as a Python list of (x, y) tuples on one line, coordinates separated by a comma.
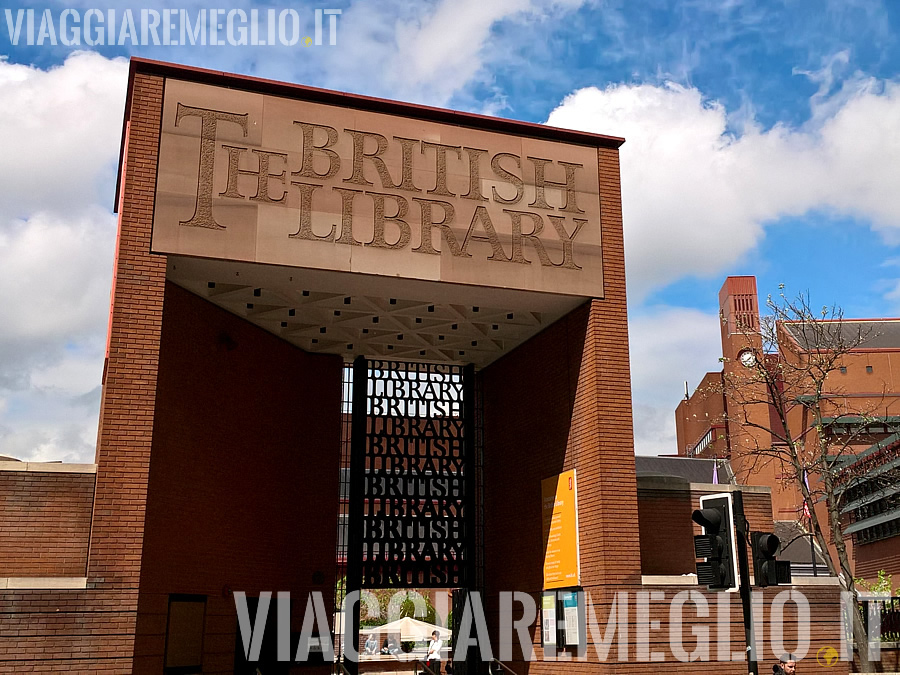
[(762, 138)]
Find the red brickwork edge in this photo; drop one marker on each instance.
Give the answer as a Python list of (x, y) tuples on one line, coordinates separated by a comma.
[(562, 401), (93, 631)]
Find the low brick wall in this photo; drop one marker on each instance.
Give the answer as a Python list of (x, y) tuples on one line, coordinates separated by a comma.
[(890, 659), (666, 531), (45, 518)]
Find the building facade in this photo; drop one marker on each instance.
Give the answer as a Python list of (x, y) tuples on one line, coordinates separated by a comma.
[(472, 271), (855, 413)]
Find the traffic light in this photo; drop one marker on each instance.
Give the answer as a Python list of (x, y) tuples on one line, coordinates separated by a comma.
[(716, 544), (766, 570)]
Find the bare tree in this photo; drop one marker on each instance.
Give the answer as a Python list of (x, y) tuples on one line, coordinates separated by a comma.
[(786, 410)]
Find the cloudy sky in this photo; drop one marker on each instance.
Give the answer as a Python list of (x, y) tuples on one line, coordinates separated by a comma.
[(762, 138)]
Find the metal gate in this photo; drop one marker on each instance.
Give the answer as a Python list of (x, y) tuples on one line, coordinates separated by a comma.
[(411, 519)]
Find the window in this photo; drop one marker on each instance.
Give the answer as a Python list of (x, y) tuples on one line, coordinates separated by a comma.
[(184, 634), (868, 369)]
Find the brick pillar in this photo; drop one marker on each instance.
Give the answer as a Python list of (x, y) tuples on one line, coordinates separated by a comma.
[(609, 550), (562, 400), (126, 419)]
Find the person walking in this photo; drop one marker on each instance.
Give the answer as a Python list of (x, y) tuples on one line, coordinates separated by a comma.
[(787, 665), (433, 657)]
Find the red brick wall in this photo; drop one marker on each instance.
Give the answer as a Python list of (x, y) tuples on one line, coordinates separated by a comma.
[(82, 631), (93, 631), (129, 391), (879, 555), (562, 401), (667, 549), (45, 523), (694, 416), (528, 419), (244, 477), (758, 510), (890, 660), (667, 532), (824, 617)]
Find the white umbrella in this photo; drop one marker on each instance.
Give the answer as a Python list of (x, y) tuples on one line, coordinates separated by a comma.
[(409, 629)]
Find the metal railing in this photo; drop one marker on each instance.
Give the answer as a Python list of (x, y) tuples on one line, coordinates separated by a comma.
[(497, 662), (890, 617), (425, 667)]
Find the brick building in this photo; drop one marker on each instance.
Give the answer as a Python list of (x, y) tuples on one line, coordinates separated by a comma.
[(861, 405), (470, 268)]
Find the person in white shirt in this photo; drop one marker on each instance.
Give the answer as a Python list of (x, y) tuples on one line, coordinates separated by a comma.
[(433, 658)]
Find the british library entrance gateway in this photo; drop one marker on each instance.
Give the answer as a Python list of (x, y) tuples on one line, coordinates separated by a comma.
[(355, 344)]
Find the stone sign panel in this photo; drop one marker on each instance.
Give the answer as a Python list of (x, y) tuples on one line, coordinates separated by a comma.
[(262, 178)]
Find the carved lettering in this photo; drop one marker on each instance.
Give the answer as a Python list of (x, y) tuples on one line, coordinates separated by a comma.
[(518, 236), (347, 196), (234, 160), (360, 155), (307, 156), (458, 194), (305, 231), (559, 224), (402, 209), (406, 164), (474, 192), (440, 166), (510, 178), (262, 174), (209, 120), (428, 225), (482, 216), (540, 182)]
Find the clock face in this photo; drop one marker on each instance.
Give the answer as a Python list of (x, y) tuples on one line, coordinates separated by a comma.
[(747, 358)]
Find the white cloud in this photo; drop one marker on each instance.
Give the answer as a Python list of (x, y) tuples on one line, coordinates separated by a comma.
[(696, 197), (55, 273), (61, 130), (71, 376), (420, 51), (668, 346), (68, 439), (441, 52)]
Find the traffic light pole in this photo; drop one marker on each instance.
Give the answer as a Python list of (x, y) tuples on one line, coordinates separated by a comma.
[(740, 526)]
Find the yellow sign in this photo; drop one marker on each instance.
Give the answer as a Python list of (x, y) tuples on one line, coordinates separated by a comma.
[(827, 656), (559, 510)]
